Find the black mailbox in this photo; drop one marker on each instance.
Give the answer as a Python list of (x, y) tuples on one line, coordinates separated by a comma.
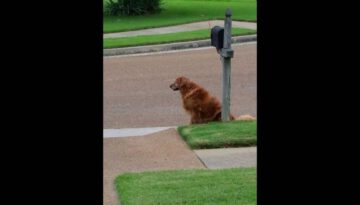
[(217, 37)]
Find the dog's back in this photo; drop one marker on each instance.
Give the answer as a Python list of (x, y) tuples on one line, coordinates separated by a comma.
[(198, 102)]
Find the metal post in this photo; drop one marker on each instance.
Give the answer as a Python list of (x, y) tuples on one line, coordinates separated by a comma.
[(226, 54)]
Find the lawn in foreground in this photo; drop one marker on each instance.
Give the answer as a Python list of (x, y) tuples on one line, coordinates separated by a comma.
[(181, 12), (218, 134), (167, 38), (193, 187)]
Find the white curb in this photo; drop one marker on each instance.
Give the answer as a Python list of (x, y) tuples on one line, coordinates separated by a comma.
[(127, 132)]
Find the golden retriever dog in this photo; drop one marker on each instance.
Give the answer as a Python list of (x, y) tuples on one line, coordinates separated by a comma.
[(201, 106)]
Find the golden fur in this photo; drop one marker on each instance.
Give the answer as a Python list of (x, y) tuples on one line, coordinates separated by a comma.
[(201, 106)]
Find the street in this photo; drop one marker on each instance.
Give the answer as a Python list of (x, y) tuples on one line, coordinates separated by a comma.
[(137, 93)]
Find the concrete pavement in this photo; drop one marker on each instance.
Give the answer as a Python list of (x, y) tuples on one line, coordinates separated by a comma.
[(127, 132), (181, 28), (228, 157), (164, 150), (180, 45), (173, 46)]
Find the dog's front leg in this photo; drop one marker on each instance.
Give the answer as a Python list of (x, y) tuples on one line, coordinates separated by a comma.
[(194, 120)]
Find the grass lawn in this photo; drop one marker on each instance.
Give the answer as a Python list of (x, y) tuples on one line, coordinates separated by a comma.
[(167, 38), (219, 135), (183, 11), (193, 187)]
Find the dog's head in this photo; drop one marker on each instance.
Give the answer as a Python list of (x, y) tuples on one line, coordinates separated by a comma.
[(179, 83)]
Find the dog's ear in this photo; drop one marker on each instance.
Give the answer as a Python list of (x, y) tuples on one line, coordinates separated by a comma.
[(178, 81), (181, 81)]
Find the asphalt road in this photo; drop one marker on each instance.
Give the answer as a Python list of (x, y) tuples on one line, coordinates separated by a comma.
[(137, 93)]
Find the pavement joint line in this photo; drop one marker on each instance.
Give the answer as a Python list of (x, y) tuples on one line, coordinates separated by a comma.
[(133, 132), (199, 158), (228, 157)]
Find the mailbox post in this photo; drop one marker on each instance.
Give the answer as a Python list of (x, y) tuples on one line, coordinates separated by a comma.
[(221, 39)]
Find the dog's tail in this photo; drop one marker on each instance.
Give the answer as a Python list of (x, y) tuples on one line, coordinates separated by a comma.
[(246, 118)]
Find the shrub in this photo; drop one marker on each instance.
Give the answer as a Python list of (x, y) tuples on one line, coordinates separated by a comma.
[(132, 7)]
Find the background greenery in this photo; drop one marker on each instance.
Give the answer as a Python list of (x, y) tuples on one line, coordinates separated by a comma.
[(167, 38), (183, 11)]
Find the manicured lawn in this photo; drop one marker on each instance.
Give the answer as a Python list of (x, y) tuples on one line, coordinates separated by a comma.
[(183, 11), (192, 187), (218, 135), (167, 38)]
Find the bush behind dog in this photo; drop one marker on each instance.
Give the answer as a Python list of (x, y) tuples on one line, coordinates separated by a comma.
[(132, 7)]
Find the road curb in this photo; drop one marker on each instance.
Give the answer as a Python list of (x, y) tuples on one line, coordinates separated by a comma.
[(172, 46), (133, 132)]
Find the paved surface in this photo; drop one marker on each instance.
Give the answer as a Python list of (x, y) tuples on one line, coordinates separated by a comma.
[(173, 46), (127, 132), (164, 150), (137, 93), (181, 28), (228, 157)]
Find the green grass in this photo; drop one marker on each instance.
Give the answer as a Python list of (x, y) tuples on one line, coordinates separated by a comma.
[(192, 187), (218, 135), (183, 11), (167, 38)]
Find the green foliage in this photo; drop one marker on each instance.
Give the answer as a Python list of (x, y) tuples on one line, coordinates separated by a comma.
[(132, 7), (167, 38), (175, 12), (220, 134), (192, 187)]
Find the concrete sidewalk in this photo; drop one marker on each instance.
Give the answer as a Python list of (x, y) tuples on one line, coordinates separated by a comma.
[(128, 132), (179, 45), (173, 46), (228, 157), (181, 28), (164, 150)]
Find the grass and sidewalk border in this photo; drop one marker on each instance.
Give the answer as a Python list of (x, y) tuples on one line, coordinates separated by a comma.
[(172, 46), (154, 39), (200, 177), (212, 135)]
